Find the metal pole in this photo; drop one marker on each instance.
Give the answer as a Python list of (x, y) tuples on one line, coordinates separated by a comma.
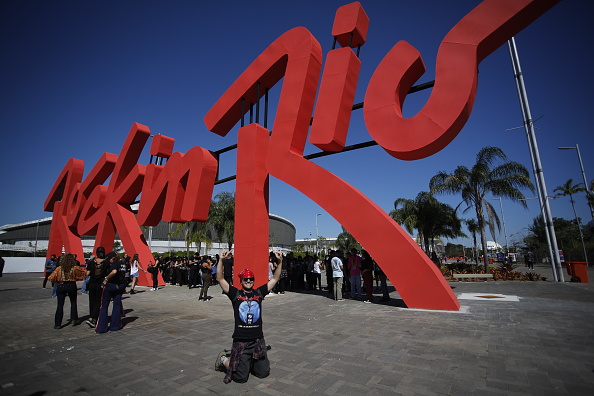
[(536, 164), (317, 236), (36, 239), (504, 229), (169, 239), (577, 148)]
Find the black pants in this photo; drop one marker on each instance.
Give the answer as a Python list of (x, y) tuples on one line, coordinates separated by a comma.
[(95, 291), (63, 290), (194, 275), (47, 274), (155, 276), (260, 368), (281, 286)]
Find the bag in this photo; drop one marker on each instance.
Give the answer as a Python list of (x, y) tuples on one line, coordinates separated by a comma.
[(152, 269)]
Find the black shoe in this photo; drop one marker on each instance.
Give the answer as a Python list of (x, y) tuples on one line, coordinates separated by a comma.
[(77, 322), (91, 323), (132, 292), (57, 327)]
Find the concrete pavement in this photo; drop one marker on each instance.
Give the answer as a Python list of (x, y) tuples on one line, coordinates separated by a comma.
[(510, 338)]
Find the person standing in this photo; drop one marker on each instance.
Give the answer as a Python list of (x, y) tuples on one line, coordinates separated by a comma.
[(228, 268), (328, 267), (206, 271), (96, 271), (65, 278), (337, 274), (383, 283), (114, 285), (50, 266), (1, 266), (194, 264), (134, 267), (248, 353), (317, 273), (367, 272), (354, 265)]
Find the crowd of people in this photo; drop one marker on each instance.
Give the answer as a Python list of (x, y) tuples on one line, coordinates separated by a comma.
[(106, 277)]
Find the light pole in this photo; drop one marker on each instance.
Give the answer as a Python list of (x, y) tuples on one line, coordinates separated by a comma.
[(577, 148), (536, 164), (503, 218), (317, 236)]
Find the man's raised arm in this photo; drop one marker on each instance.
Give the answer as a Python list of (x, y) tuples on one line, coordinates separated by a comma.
[(277, 272), (220, 278)]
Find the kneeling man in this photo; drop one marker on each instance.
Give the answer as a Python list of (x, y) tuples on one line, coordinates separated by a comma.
[(248, 353)]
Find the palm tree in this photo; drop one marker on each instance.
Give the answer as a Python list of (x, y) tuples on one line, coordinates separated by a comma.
[(431, 218), (473, 228), (345, 241), (570, 189), (504, 180), (591, 194), (194, 233), (222, 217)]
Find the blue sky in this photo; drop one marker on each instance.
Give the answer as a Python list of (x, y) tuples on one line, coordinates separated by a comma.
[(77, 74)]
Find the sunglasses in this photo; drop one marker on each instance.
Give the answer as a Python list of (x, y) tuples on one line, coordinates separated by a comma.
[(248, 279)]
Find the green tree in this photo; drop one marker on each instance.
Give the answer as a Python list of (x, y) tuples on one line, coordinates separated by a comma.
[(453, 250), (569, 189), (345, 241), (431, 218), (194, 233), (485, 177), (222, 217), (567, 238), (299, 247)]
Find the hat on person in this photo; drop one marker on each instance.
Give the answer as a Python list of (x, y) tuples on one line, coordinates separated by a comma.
[(246, 273)]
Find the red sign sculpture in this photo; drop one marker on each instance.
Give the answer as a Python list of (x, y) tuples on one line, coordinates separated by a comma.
[(181, 190)]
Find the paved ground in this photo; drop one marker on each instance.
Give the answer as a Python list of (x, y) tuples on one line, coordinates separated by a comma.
[(541, 344)]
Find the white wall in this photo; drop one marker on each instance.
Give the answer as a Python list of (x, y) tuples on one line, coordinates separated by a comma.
[(23, 264)]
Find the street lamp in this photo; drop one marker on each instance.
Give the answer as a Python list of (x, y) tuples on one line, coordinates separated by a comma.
[(317, 237), (577, 148), (541, 187), (503, 218)]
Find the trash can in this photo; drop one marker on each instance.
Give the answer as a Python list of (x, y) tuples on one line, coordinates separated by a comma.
[(578, 271)]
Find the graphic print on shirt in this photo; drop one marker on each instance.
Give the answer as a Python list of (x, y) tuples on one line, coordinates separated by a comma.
[(249, 312)]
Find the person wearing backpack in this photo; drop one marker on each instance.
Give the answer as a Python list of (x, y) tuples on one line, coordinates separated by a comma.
[(248, 353)]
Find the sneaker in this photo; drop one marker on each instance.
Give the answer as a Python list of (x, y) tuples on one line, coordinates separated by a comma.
[(340, 299), (76, 322), (57, 327), (367, 302), (219, 363), (91, 323), (132, 292)]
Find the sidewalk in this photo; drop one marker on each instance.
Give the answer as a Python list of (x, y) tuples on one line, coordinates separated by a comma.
[(510, 338)]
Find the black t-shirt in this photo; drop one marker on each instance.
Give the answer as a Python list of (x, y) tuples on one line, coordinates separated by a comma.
[(122, 270), (247, 308), (228, 267), (98, 271)]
